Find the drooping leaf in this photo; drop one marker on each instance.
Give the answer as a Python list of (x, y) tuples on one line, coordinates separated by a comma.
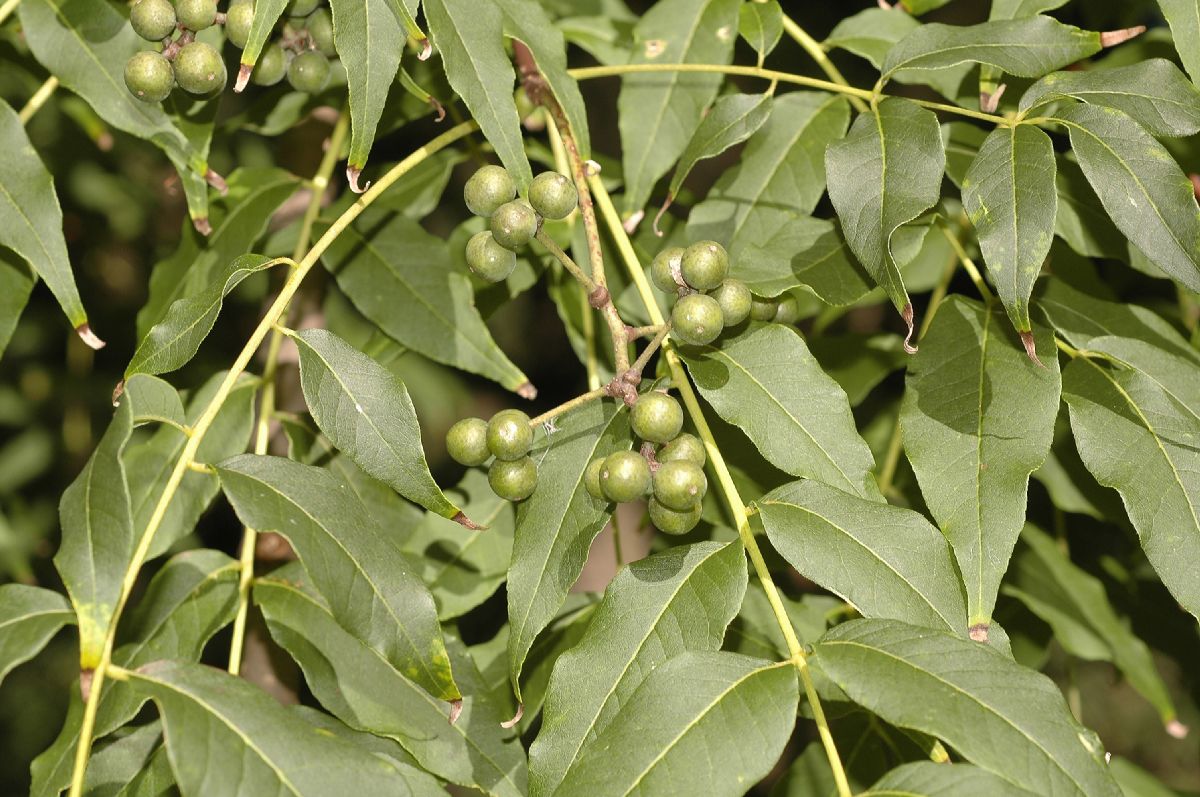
[(1185, 31), (556, 525), (678, 600), (887, 561), (659, 112), (1178, 376), (119, 763), (731, 120), (154, 779), (365, 411), (929, 779), (16, 283), (998, 715), (266, 16), (1145, 192), (804, 251), (898, 142), (978, 418), (370, 587), (467, 34), (29, 617), (666, 733), (859, 362), (1009, 194), (766, 382), (761, 25), (1082, 221)]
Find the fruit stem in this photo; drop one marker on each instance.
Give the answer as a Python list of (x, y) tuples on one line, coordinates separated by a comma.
[(562, 257), (817, 53), (204, 423), (44, 92), (643, 359), (732, 497), (967, 263), (566, 406)]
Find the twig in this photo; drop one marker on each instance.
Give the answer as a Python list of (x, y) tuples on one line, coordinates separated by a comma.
[(814, 49), (569, 264), (44, 92)]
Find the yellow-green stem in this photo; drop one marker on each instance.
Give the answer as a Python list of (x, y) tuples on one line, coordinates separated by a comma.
[(967, 263), (7, 8), (733, 498), (205, 421), (44, 92), (566, 406), (817, 53)]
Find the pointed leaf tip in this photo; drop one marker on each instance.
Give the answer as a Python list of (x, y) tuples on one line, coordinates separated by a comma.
[(352, 175), (907, 315), (217, 182), (456, 707), (1111, 38), (243, 78), (426, 50), (527, 391), (203, 226), (631, 223), (463, 520), (1031, 348), (1177, 730), (978, 632), (89, 337), (658, 216), (990, 101), (516, 717)]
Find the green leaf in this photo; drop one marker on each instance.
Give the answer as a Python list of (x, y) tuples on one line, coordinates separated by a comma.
[(16, 283), (114, 766), (210, 715), (365, 411), (31, 219), (886, 561), (467, 34), (978, 418), (696, 703), (930, 779), (809, 252), (1153, 92), (1082, 221), (1009, 194), (1074, 604), (398, 264), (556, 525), (1017, 9), (1134, 437), (1183, 17), (370, 587), (659, 112), (999, 715), (918, 7), (154, 779), (898, 142), (871, 33), (859, 362), (781, 174), (266, 16), (767, 383), (1177, 376), (731, 120), (678, 600), (366, 692), (1029, 47), (29, 617), (761, 25), (1145, 192)]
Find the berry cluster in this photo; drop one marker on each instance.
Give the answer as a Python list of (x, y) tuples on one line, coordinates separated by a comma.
[(491, 193), (301, 52), (507, 437)]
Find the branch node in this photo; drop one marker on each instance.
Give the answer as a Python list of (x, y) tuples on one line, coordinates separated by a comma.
[(599, 297)]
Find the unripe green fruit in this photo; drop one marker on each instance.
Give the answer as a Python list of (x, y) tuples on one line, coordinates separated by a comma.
[(238, 20), (735, 300), (153, 20), (320, 30), (196, 14), (660, 268), (625, 476), (763, 309), (149, 76), (656, 417), (199, 69), (685, 448), (488, 189), (509, 435), (513, 480), (302, 8), (513, 224), (696, 319), (553, 195), (488, 259), (679, 485), (271, 67), (670, 521), (308, 72), (788, 310), (466, 442), (591, 479), (704, 265)]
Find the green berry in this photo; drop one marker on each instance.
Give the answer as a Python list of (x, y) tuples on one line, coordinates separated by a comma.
[(153, 20), (509, 435), (763, 309), (238, 20), (625, 476), (660, 268), (685, 448), (679, 485), (196, 14), (704, 265), (199, 69), (591, 479), (656, 417), (308, 72), (466, 442), (320, 30), (553, 195), (513, 480), (488, 189), (149, 76), (696, 319), (488, 259), (735, 300), (788, 310), (513, 224), (302, 8), (271, 67), (670, 521)]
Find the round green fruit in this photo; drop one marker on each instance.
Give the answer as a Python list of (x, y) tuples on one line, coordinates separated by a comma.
[(763, 309), (488, 259), (196, 14), (302, 8), (679, 485), (696, 319), (625, 476), (513, 224), (466, 442), (149, 76), (670, 521), (271, 67), (153, 20), (238, 20), (656, 417), (591, 479), (553, 195), (735, 300), (513, 480), (509, 435), (308, 72), (320, 30), (704, 265), (685, 448), (661, 267), (488, 189), (788, 310), (199, 69)]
